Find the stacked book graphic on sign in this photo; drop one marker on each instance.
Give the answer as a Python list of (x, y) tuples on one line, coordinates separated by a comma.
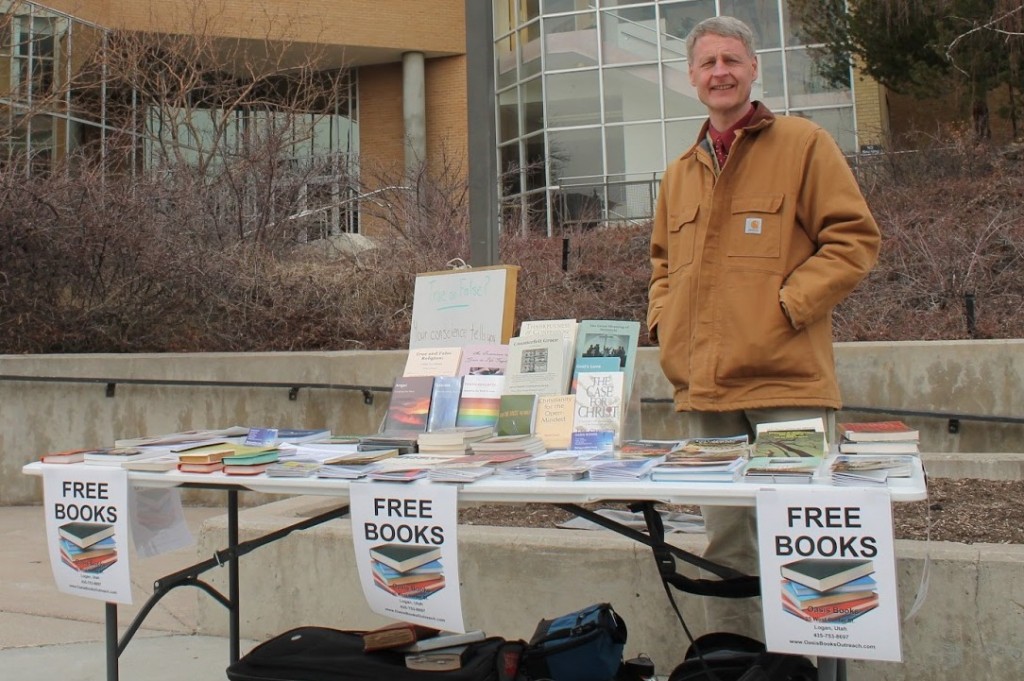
[(87, 547), (834, 590), (407, 570)]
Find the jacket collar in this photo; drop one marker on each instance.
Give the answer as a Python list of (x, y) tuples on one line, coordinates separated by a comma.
[(762, 118)]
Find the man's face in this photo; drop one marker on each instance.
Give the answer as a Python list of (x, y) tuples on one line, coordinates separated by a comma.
[(723, 74)]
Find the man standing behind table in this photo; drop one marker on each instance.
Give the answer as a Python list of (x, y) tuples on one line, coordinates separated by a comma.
[(760, 231)]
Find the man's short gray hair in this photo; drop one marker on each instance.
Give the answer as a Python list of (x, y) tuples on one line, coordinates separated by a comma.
[(727, 27)]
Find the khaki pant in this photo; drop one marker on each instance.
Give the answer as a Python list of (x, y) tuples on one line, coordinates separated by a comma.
[(732, 530)]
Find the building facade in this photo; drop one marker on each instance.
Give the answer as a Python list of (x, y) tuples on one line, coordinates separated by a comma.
[(592, 96)]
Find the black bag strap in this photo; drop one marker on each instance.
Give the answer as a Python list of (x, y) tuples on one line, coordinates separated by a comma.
[(733, 584)]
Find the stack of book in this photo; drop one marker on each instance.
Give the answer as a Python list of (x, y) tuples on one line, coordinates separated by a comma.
[(87, 547), (407, 570), (622, 469), (698, 469), (454, 441), (878, 437), (529, 444), (293, 469), (835, 590), (781, 469), (870, 469)]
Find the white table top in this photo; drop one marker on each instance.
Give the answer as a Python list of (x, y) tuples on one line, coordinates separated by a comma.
[(494, 489)]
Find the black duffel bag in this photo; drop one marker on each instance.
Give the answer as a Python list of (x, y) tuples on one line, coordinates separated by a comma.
[(732, 657), (324, 654)]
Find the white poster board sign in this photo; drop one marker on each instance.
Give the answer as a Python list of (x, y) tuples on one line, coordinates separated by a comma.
[(828, 572), (407, 553), (463, 307), (87, 530)]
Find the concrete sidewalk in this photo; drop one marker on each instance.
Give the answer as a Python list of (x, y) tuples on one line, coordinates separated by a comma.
[(46, 635)]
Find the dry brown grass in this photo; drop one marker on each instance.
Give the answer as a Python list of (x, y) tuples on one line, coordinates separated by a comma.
[(144, 266)]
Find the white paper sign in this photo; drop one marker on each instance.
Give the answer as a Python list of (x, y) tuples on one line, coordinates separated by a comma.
[(407, 551), (87, 530), (461, 307), (828, 573)]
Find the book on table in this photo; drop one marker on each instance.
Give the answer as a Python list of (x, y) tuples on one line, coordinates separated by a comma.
[(118, 456), (300, 435), (719, 471), (600, 404), (873, 431), (781, 469), (156, 464), (211, 467), (610, 338), (516, 414), (206, 454), (791, 443), (65, 456), (553, 420), (484, 358), (409, 406), (878, 447), (440, 361), (444, 403), (537, 365), (480, 399)]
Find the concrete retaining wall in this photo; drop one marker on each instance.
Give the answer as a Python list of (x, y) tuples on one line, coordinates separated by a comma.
[(969, 626), (983, 378)]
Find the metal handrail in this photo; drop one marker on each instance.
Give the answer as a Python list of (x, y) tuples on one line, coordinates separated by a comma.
[(292, 386), (368, 390)]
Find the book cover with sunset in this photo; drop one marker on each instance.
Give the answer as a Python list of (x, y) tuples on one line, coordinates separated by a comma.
[(410, 404)]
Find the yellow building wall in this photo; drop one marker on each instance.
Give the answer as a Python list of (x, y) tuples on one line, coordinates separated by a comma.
[(871, 109), (422, 25)]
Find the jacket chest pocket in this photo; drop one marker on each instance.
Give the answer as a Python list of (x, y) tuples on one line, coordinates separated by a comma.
[(755, 227), (682, 235)]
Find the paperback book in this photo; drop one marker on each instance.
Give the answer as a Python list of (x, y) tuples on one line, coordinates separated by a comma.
[(410, 405), (537, 365), (487, 358), (516, 414), (873, 431), (553, 423), (444, 403), (610, 338), (480, 400), (600, 403)]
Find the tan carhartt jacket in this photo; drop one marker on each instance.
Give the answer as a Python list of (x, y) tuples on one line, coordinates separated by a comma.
[(748, 265)]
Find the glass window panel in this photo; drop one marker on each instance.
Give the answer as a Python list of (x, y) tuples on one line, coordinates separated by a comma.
[(529, 41), (574, 154), (505, 56), (529, 9), (677, 20), (807, 87), (638, 149), (629, 35), (509, 159), (632, 93), (761, 15), (771, 76), (680, 136), (838, 121), (791, 26), (553, 6), (570, 41), (680, 97), (573, 99), (535, 162), (504, 15), (508, 115), (533, 105)]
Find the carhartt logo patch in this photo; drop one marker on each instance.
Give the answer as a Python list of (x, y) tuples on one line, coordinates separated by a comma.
[(753, 226)]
